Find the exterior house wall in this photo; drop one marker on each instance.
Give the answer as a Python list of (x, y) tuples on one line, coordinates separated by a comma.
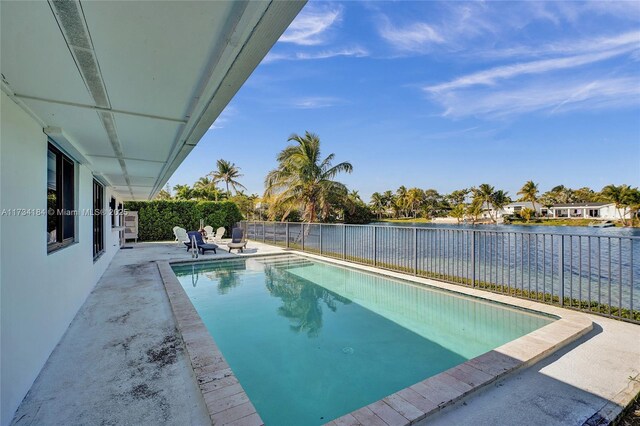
[(40, 293), (610, 212)]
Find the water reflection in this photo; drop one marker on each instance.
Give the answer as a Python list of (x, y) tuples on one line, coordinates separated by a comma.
[(301, 300)]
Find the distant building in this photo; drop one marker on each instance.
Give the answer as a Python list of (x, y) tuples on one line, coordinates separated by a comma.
[(515, 208), (597, 211), (602, 211)]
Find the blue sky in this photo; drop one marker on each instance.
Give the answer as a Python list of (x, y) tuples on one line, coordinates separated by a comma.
[(444, 95)]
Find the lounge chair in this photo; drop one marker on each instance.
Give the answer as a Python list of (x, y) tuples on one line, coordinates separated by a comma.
[(202, 246), (237, 240), (181, 234)]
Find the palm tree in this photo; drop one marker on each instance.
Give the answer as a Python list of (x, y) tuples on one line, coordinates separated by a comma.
[(499, 199), (355, 196), (458, 212), (414, 200), (529, 192), (304, 180), (227, 172), (183, 192), (484, 196), (377, 204), (620, 196), (474, 210), (389, 201)]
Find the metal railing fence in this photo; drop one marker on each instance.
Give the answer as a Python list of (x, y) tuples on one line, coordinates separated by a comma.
[(592, 273)]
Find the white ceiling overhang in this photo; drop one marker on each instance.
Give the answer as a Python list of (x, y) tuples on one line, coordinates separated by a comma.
[(129, 88)]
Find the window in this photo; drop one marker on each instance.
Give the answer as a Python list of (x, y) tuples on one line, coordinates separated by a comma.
[(61, 214), (98, 219), (113, 212)]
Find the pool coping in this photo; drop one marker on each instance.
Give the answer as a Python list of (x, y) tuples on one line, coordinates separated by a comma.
[(228, 403)]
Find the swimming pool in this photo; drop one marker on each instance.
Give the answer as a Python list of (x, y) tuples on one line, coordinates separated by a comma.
[(310, 341)]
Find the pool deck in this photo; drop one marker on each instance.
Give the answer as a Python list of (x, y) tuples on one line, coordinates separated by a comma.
[(123, 361)]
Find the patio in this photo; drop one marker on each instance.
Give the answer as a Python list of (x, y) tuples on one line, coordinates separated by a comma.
[(122, 361)]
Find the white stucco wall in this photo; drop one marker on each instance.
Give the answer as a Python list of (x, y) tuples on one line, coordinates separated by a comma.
[(40, 293)]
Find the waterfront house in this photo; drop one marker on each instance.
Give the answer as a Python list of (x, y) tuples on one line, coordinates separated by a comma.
[(101, 102), (596, 211), (516, 208)]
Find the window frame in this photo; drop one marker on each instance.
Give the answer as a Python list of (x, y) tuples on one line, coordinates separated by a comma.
[(113, 211), (63, 163), (98, 219)]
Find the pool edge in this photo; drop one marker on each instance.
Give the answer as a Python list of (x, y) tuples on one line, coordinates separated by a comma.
[(223, 395), (227, 402)]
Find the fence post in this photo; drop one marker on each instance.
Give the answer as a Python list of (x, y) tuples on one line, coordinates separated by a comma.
[(375, 245), (287, 234), (344, 241), (415, 251), (561, 269), (320, 238), (473, 258), (302, 229), (264, 235)]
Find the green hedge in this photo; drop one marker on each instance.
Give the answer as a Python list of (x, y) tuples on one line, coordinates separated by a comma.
[(156, 219)]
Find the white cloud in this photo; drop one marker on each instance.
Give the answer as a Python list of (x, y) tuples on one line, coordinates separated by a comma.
[(492, 75), (629, 40), (227, 114), (355, 51), (314, 102), (558, 96), (415, 37), (309, 28)]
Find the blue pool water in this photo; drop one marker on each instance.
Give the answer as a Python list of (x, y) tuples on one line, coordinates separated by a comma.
[(311, 341)]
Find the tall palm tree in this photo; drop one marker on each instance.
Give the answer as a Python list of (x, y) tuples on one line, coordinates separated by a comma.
[(529, 192), (355, 196), (483, 194), (620, 196), (401, 200), (414, 200), (377, 204), (388, 198), (227, 172), (183, 192), (458, 212), (499, 199), (304, 180)]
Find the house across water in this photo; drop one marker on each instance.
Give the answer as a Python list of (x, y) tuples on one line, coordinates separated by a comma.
[(596, 211)]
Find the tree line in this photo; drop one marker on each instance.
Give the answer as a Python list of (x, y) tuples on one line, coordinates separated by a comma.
[(473, 202), (304, 187)]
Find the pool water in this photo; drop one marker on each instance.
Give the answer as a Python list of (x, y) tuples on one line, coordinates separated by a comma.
[(311, 341)]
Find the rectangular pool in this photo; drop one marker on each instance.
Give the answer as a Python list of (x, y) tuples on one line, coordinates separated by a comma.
[(311, 341)]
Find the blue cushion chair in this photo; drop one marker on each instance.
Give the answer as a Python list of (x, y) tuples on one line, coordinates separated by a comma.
[(202, 246)]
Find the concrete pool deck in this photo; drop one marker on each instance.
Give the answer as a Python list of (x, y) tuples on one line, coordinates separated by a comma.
[(122, 362)]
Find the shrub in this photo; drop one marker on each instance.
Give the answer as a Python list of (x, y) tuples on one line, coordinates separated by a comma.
[(156, 219), (361, 214)]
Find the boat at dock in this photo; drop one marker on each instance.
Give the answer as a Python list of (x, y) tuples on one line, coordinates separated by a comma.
[(605, 224)]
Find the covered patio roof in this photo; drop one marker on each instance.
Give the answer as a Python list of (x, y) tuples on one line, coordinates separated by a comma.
[(129, 88)]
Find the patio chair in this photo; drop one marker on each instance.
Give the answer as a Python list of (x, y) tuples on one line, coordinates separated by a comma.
[(237, 240), (219, 234), (209, 233), (202, 246), (181, 234)]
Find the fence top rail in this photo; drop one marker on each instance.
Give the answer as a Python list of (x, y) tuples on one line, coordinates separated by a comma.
[(431, 228)]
